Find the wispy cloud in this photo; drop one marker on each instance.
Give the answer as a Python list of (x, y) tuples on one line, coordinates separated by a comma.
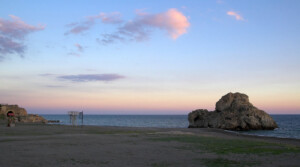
[(46, 74), (79, 28), (13, 33), (74, 54), (108, 18), (9, 46), (55, 86), (139, 29), (173, 22), (91, 77), (236, 15), (79, 47), (110, 38), (220, 1), (17, 28), (89, 22)]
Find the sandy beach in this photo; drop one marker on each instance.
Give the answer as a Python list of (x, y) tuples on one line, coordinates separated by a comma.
[(57, 145)]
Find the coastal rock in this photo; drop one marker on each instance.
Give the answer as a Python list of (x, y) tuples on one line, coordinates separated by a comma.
[(20, 114), (233, 112), (32, 118)]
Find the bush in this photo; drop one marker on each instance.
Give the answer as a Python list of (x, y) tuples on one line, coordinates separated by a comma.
[(2, 116)]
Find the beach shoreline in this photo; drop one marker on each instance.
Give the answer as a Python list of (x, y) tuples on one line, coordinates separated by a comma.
[(65, 145)]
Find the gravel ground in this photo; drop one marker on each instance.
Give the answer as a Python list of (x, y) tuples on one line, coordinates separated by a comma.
[(57, 145)]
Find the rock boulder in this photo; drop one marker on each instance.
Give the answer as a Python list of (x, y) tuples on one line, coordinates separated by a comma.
[(233, 112)]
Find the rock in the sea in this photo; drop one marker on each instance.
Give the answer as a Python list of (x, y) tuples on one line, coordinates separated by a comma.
[(233, 112), (20, 114)]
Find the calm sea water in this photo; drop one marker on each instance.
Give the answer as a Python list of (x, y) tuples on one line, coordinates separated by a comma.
[(289, 125)]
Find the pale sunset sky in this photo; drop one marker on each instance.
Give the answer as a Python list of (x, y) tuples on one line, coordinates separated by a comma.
[(148, 57)]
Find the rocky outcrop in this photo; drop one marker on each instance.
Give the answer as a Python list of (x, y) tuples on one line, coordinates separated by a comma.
[(20, 114), (233, 112), (32, 118)]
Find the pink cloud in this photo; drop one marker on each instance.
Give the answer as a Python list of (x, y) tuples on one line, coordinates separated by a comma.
[(17, 28), (236, 15), (139, 29), (106, 18), (12, 34), (173, 21), (79, 47)]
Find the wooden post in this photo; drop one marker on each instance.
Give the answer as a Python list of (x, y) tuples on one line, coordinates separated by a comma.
[(82, 118)]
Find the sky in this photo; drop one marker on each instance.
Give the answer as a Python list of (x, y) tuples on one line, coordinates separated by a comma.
[(148, 57)]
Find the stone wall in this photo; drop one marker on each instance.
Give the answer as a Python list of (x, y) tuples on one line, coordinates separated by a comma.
[(20, 114), (4, 109)]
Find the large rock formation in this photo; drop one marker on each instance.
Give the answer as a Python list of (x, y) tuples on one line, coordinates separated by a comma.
[(20, 114), (233, 112)]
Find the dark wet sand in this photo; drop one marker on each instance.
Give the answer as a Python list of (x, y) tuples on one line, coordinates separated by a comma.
[(57, 145)]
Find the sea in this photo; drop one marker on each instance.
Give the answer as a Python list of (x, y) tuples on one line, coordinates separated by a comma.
[(289, 125)]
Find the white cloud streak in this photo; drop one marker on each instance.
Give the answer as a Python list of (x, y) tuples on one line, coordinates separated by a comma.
[(236, 15)]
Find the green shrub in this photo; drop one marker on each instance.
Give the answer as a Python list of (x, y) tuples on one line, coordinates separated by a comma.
[(2, 116)]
